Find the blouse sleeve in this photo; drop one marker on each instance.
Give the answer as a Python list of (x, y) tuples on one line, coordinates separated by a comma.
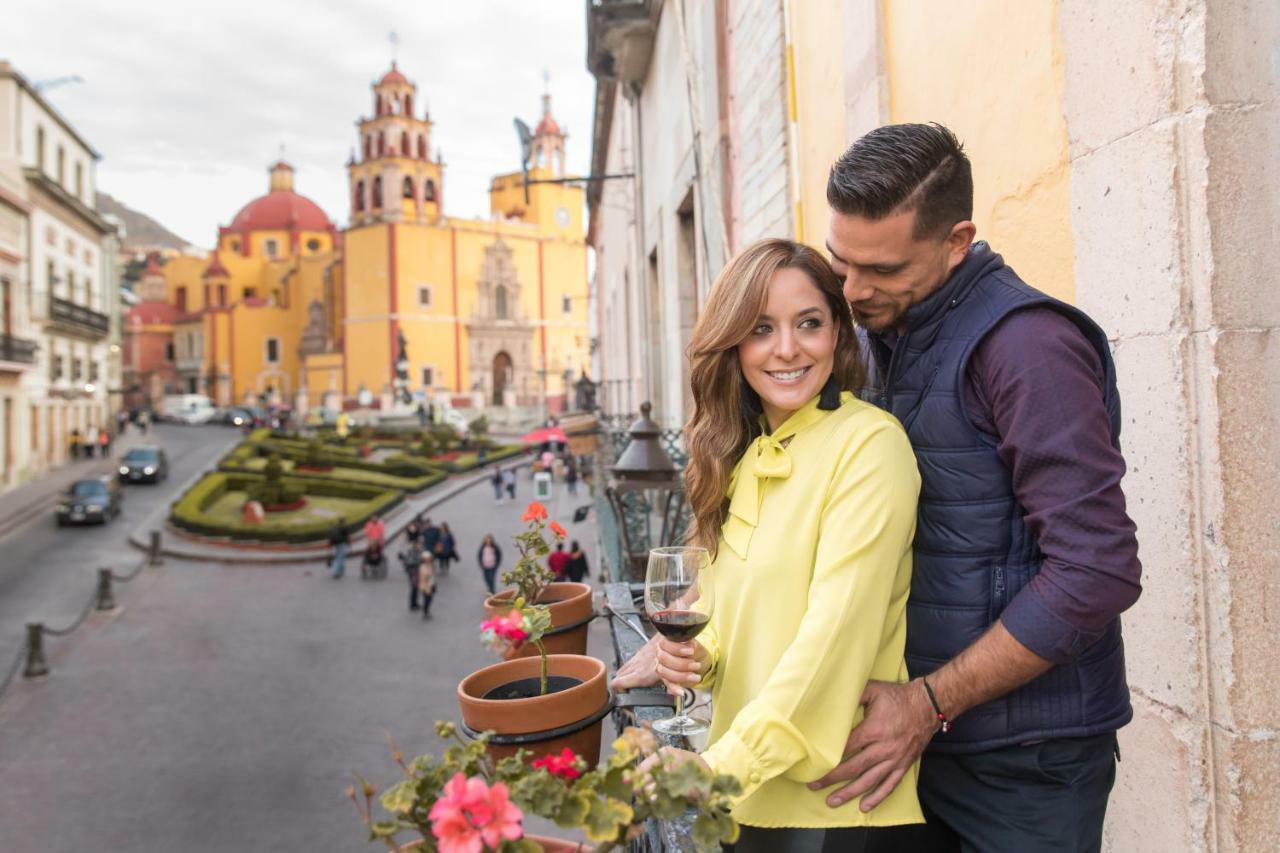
[(798, 723)]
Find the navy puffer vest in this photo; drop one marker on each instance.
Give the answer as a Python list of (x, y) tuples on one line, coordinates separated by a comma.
[(973, 551)]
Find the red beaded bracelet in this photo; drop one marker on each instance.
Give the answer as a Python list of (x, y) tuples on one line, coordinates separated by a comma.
[(942, 718)]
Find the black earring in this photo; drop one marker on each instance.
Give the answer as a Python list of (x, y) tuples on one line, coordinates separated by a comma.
[(829, 399)]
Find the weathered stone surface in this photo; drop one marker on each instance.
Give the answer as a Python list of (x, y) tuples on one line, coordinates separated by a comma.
[(1126, 227), (1240, 51)]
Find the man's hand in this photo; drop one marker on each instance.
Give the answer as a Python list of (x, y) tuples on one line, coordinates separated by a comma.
[(681, 665), (641, 670), (898, 725)]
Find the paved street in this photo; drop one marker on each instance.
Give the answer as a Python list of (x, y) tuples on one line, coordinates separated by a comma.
[(226, 708), (47, 573)]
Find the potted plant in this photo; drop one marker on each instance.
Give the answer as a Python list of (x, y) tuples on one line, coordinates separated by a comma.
[(569, 604), (468, 801)]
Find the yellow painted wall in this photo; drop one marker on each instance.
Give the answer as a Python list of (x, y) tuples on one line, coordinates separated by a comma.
[(368, 309), (424, 254), (992, 72), (817, 65)]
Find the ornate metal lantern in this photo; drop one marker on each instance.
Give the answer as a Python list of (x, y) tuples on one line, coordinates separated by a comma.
[(645, 490)]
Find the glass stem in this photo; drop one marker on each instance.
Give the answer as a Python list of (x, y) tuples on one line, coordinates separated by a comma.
[(680, 703)]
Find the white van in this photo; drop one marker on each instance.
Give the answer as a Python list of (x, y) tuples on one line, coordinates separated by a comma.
[(187, 408)]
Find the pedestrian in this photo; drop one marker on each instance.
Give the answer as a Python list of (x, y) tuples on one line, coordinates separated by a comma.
[(339, 541), (73, 443), (806, 496), (413, 532), (426, 586), (342, 426), (422, 414), (430, 538), (558, 560), (104, 442), (1025, 555), (576, 568), (411, 559), (144, 421), (509, 481), (496, 481), (490, 558), (446, 548), (122, 422), (571, 478), (375, 531)]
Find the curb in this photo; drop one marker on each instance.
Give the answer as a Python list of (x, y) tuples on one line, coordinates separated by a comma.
[(254, 555)]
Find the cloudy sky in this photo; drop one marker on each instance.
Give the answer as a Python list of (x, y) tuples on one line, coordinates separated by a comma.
[(189, 102)]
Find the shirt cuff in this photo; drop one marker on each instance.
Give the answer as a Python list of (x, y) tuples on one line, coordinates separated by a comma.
[(730, 756), (1034, 624)]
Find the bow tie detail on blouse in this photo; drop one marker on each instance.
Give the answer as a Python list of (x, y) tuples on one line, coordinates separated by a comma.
[(766, 458)]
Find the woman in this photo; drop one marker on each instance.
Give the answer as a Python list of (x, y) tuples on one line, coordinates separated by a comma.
[(446, 548), (577, 566), (489, 557), (806, 498), (411, 559), (426, 584)]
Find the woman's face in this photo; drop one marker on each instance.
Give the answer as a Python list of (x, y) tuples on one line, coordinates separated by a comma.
[(788, 356)]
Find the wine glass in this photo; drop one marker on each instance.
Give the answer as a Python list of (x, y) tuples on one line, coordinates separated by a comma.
[(676, 581)]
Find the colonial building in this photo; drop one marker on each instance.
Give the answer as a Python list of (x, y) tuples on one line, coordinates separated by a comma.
[(59, 292), (1124, 160), (491, 312)]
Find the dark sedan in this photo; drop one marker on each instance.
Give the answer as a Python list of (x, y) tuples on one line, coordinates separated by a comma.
[(144, 465), (95, 501)]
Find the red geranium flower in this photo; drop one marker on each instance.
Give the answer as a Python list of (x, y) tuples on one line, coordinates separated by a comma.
[(564, 765), (535, 512), (558, 530)]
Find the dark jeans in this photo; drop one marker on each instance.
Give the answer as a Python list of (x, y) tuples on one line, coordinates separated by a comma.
[(413, 590), (488, 578), (1046, 796), (853, 839)]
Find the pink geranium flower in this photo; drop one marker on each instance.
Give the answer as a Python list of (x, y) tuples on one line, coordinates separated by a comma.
[(564, 765), (510, 628), (470, 816)]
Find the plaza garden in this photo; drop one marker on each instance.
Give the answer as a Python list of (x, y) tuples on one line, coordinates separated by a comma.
[(306, 484)]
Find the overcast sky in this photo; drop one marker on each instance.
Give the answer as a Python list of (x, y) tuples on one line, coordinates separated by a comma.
[(189, 102)]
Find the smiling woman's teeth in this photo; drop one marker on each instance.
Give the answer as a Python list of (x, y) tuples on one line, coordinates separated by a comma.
[(790, 374)]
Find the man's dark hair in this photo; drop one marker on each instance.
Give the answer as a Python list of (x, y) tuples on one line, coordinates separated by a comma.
[(902, 167)]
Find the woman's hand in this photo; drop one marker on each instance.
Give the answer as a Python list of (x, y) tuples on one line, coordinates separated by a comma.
[(681, 665), (670, 758), (641, 670)]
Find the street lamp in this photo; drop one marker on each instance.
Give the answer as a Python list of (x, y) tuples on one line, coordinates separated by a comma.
[(526, 153), (644, 478)]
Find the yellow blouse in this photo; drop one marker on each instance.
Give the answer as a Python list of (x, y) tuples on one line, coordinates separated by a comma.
[(810, 588)]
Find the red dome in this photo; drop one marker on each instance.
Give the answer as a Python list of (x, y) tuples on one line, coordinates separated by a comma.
[(548, 126), (281, 210), (393, 76)]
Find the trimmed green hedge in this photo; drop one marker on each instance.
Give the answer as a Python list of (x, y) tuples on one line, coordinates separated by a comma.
[(467, 461), (188, 512), (409, 476)]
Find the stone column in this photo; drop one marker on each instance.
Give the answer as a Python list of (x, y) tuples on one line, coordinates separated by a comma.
[(1174, 130)]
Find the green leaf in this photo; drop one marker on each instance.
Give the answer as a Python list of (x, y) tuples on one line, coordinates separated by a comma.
[(399, 798), (606, 818)]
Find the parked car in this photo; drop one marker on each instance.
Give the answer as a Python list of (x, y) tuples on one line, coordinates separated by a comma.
[(238, 416), (144, 465), (188, 408), (93, 501)]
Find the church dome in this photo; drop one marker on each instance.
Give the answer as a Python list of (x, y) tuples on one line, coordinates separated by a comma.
[(548, 126), (283, 210), (393, 77)]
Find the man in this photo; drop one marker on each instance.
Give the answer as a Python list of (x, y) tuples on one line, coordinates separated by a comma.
[(558, 561), (1025, 556), (339, 541)]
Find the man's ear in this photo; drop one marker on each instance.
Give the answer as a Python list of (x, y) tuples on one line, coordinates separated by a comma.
[(959, 241)]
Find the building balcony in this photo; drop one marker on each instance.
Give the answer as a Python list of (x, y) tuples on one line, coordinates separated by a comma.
[(67, 316), (16, 353), (620, 35)]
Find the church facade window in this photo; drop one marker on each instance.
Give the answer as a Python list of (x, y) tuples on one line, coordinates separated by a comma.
[(429, 190), (358, 202), (273, 350), (428, 377), (271, 248), (313, 245), (404, 144), (377, 191), (422, 147), (424, 296), (368, 147), (407, 191), (382, 143), (500, 302)]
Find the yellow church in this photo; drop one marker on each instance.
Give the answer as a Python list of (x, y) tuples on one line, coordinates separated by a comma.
[(483, 313)]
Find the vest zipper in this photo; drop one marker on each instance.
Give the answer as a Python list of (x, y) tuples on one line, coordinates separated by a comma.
[(886, 399), (998, 588)]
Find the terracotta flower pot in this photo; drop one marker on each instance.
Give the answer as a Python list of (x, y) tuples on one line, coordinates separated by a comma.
[(571, 612), (570, 714)]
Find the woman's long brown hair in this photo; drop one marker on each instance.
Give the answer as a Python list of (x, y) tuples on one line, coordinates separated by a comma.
[(726, 411)]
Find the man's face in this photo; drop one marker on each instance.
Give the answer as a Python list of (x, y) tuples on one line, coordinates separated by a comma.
[(886, 269)]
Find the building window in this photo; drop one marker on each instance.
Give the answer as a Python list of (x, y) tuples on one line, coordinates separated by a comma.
[(313, 245), (368, 147), (93, 371), (408, 105), (40, 148), (407, 192), (168, 351), (382, 143), (71, 285), (271, 247), (62, 165), (76, 370), (55, 368), (79, 180), (180, 299), (358, 201), (377, 191), (566, 304), (424, 296), (273, 350), (428, 377), (430, 192), (500, 302), (235, 245), (222, 294), (250, 292), (422, 147)]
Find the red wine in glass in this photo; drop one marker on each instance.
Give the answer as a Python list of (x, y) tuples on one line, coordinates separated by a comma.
[(680, 625)]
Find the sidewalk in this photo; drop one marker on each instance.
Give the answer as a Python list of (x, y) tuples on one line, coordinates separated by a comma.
[(30, 500), (227, 710)]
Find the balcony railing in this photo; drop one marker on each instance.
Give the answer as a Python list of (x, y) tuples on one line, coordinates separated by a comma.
[(17, 350), (77, 318)]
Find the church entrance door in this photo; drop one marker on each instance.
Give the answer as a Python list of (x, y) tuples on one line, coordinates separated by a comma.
[(503, 373)]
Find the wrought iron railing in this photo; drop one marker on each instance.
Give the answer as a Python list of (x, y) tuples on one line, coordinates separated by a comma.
[(19, 350), (77, 317)]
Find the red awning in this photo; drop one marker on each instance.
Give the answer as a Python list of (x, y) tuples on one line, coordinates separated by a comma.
[(539, 436)]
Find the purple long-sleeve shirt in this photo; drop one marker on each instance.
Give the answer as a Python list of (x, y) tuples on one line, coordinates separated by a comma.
[(1035, 385)]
